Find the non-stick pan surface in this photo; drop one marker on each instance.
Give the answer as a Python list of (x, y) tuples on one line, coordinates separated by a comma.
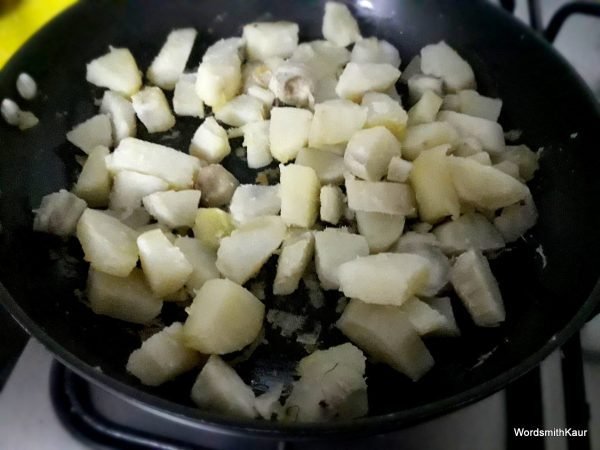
[(547, 279)]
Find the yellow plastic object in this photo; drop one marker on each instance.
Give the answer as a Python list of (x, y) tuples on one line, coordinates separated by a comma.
[(19, 19)]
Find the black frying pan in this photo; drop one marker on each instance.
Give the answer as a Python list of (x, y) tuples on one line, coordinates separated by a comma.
[(542, 96)]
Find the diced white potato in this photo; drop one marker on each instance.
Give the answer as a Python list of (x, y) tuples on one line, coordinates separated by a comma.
[(332, 202), (488, 133), (210, 142), (425, 136), (135, 219), (509, 168), (360, 78), (108, 245), (126, 298), (223, 318), (203, 260), (212, 225), (26, 120), (379, 229), (90, 134), (129, 188), (93, 184), (232, 47), (258, 74), (323, 58), (419, 84), (240, 110), (333, 247), (470, 230), (523, 157), (293, 84), (185, 99), (219, 79), (59, 213), (398, 170), (153, 110), (443, 305), (242, 254), (267, 404), (174, 209), (424, 318), (439, 265), (484, 186), (380, 196), (219, 388), (328, 166), (432, 182), (169, 64), (256, 141), (265, 96), (515, 220), (162, 357), (266, 40), (339, 27), (334, 122), (369, 152), (382, 110), (481, 158), (385, 278), (26, 86), (300, 188), (475, 104), (476, 286), (413, 68), (373, 50), (121, 113), (288, 132), (444, 62), (332, 386), (117, 71), (466, 147), (413, 239), (165, 265), (217, 185), (251, 200), (426, 109), (386, 334), (295, 255), (176, 168)]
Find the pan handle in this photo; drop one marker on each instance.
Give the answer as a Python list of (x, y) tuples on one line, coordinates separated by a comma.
[(566, 11)]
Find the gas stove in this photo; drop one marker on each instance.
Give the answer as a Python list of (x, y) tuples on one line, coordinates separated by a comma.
[(43, 405)]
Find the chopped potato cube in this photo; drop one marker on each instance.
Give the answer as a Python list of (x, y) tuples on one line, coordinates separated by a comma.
[(476, 286), (424, 318), (129, 188), (242, 254), (217, 185), (121, 113), (523, 157), (250, 201), (291, 264), (117, 71), (419, 84), (329, 166), (153, 110), (443, 61), (126, 298), (59, 213), (382, 110), (299, 192), (266, 40), (385, 279), (334, 122), (481, 158), (379, 229), (425, 136), (515, 220), (470, 230), (380, 196), (360, 78), (90, 134), (488, 133), (386, 334), (162, 357), (332, 201), (373, 50), (223, 318), (369, 152), (256, 141), (333, 247), (212, 225), (202, 258), (219, 79), (170, 62), (475, 104), (185, 99), (174, 209), (339, 26), (443, 305), (219, 388), (210, 141), (93, 184), (426, 109), (108, 245), (288, 132), (240, 111), (399, 170), (165, 265)]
